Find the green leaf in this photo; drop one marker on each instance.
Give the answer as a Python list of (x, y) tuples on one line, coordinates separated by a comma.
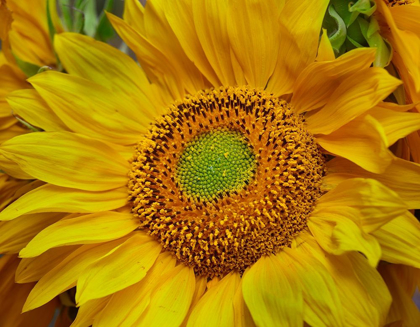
[(365, 7), (338, 37), (105, 30), (354, 43), (370, 31), (66, 13), (91, 19), (51, 27), (28, 68), (52, 31), (85, 17), (399, 92), (349, 10), (354, 33), (78, 20), (342, 9)]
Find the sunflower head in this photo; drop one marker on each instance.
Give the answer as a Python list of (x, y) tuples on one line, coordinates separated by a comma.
[(229, 175), (234, 214)]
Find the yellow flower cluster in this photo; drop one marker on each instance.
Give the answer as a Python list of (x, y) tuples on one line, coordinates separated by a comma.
[(251, 168)]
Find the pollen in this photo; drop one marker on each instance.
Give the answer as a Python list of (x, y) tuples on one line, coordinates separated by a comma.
[(226, 176)]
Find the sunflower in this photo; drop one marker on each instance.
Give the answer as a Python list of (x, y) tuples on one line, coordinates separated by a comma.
[(11, 78), (14, 296), (400, 25), (26, 46), (18, 28), (402, 282), (232, 180)]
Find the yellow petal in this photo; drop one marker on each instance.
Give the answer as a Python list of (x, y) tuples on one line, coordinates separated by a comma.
[(50, 198), (396, 124), (88, 312), (356, 94), (8, 264), (363, 294), (99, 62), (215, 308), (171, 299), (374, 286), (304, 21), (406, 49), (401, 176), (400, 240), (414, 145), (29, 38), (78, 161), (339, 233), (6, 122), (13, 189), (406, 58), (210, 19), (325, 50), (7, 19), (152, 60), (65, 274), (32, 108), (160, 34), (134, 15), (43, 315), (200, 288), (33, 269), (406, 18), (11, 78), (180, 16), (375, 203), (315, 85), (395, 106), (362, 141), (272, 292), (10, 167), (127, 265), (403, 307), (243, 317), (254, 34), (126, 306), (321, 302), (11, 132), (300, 26), (90, 109), (16, 234), (13, 297), (87, 229)]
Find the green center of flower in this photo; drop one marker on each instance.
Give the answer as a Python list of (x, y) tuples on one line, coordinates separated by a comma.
[(215, 163)]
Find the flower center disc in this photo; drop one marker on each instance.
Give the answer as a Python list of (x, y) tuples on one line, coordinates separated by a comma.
[(393, 3), (215, 163), (227, 176)]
